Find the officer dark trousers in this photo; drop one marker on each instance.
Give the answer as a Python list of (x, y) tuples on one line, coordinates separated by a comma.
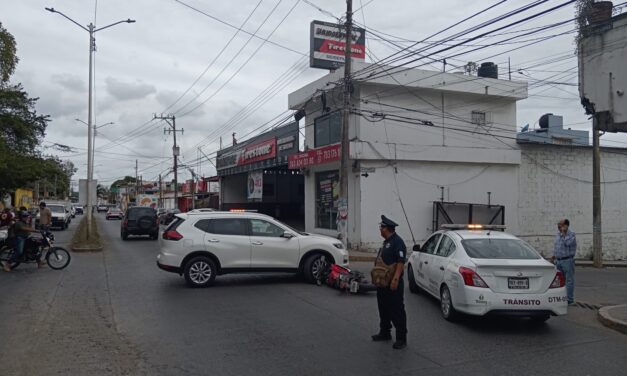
[(392, 310)]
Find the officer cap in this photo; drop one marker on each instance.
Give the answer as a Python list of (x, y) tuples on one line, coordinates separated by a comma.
[(387, 222)]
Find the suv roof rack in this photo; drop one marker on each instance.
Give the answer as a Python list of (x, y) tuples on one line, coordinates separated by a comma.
[(472, 226)]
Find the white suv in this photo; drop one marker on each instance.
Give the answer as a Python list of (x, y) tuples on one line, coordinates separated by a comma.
[(201, 246)]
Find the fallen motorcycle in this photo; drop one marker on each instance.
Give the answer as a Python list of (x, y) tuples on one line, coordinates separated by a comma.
[(343, 279), (56, 257)]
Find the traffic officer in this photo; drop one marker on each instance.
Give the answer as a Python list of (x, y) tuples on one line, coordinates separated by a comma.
[(390, 299)]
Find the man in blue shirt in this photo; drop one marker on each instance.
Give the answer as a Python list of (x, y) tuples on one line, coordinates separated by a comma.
[(564, 256)]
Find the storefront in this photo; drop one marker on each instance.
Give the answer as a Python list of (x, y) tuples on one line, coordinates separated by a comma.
[(254, 175)]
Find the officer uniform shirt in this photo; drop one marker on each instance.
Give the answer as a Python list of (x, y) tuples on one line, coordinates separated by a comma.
[(393, 250)]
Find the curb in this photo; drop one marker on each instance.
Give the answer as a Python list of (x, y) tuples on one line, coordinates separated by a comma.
[(605, 317)]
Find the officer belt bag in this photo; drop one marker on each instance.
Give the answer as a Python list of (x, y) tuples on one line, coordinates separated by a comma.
[(382, 274)]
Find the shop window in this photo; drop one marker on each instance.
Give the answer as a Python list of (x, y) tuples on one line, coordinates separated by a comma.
[(327, 193), (327, 129)]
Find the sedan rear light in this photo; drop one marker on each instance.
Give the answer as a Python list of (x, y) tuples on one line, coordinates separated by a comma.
[(172, 235), (471, 278), (558, 281)]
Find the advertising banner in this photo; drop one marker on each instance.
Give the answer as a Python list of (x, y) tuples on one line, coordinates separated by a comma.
[(312, 157), (147, 200), (255, 185), (327, 45)]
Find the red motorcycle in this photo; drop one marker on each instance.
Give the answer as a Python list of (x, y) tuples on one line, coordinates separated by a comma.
[(343, 279)]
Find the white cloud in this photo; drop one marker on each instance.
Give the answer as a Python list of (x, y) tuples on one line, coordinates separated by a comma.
[(124, 91)]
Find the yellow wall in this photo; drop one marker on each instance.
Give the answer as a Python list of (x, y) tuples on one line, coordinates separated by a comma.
[(23, 197)]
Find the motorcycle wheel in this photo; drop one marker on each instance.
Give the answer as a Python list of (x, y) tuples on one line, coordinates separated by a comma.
[(5, 255), (58, 258)]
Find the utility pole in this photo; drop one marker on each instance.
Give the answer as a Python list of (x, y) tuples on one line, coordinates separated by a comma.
[(91, 29), (597, 241), (160, 193), (136, 182), (171, 121), (345, 160)]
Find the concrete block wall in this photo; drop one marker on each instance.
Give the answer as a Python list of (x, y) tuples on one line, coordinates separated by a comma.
[(556, 182)]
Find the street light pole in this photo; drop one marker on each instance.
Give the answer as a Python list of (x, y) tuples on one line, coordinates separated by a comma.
[(93, 142), (91, 29)]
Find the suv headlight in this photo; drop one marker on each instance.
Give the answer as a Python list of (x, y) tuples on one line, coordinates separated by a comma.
[(338, 245)]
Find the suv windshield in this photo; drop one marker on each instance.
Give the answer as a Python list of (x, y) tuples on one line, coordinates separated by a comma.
[(509, 249), (56, 208), (136, 212)]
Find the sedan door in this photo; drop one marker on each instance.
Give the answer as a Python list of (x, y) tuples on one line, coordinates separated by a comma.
[(228, 240), (440, 261), (269, 248), (425, 258)]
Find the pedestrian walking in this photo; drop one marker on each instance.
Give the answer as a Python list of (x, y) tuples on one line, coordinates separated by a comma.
[(45, 217), (564, 256), (390, 287)]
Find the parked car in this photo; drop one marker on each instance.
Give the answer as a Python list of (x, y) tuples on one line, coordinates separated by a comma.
[(168, 216), (139, 220), (201, 246), (102, 208), (114, 213), (78, 209), (478, 271)]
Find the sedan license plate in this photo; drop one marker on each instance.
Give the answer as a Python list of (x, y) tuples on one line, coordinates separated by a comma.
[(518, 283)]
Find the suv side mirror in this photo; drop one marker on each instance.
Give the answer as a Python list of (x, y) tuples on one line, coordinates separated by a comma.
[(287, 235), (416, 248)]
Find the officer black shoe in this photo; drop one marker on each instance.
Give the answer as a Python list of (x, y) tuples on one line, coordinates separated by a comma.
[(382, 336), (399, 344)]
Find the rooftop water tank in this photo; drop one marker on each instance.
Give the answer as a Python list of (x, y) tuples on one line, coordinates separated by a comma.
[(488, 70)]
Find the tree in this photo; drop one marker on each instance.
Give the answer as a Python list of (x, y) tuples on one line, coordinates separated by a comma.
[(21, 132), (8, 55), (128, 180)]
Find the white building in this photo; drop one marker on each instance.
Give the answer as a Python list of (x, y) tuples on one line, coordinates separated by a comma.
[(415, 137)]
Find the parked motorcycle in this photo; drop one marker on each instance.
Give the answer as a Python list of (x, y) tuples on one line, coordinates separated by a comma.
[(343, 279), (56, 257)]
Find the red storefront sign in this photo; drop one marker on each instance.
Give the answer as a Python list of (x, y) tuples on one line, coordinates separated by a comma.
[(258, 152), (323, 155)]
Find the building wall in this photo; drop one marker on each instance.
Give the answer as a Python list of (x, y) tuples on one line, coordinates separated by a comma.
[(556, 182), (417, 184), (413, 161)]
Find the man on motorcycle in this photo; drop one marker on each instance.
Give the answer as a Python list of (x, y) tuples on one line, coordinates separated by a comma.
[(19, 232)]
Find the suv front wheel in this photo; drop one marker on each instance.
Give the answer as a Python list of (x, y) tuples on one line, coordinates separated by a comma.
[(313, 267), (200, 272)]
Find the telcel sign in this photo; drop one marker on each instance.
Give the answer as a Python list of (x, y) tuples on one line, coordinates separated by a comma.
[(328, 41)]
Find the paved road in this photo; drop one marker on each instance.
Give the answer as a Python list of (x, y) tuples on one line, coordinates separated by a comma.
[(115, 313)]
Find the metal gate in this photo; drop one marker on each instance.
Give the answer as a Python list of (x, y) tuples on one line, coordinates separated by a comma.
[(465, 213)]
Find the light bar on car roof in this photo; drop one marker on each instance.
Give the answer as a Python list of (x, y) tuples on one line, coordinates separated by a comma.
[(243, 211), (472, 226)]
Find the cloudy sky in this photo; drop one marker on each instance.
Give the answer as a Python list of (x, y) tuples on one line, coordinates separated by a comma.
[(174, 60)]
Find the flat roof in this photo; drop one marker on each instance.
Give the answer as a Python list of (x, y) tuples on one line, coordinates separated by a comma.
[(412, 78)]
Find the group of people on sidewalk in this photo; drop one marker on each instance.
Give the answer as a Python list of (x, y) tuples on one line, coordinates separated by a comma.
[(20, 227), (393, 253)]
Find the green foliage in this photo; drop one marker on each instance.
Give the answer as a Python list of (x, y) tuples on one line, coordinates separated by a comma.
[(128, 180), (21, 132), (8, 55)]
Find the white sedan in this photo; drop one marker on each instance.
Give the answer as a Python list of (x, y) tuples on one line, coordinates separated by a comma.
[(479, 271)]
